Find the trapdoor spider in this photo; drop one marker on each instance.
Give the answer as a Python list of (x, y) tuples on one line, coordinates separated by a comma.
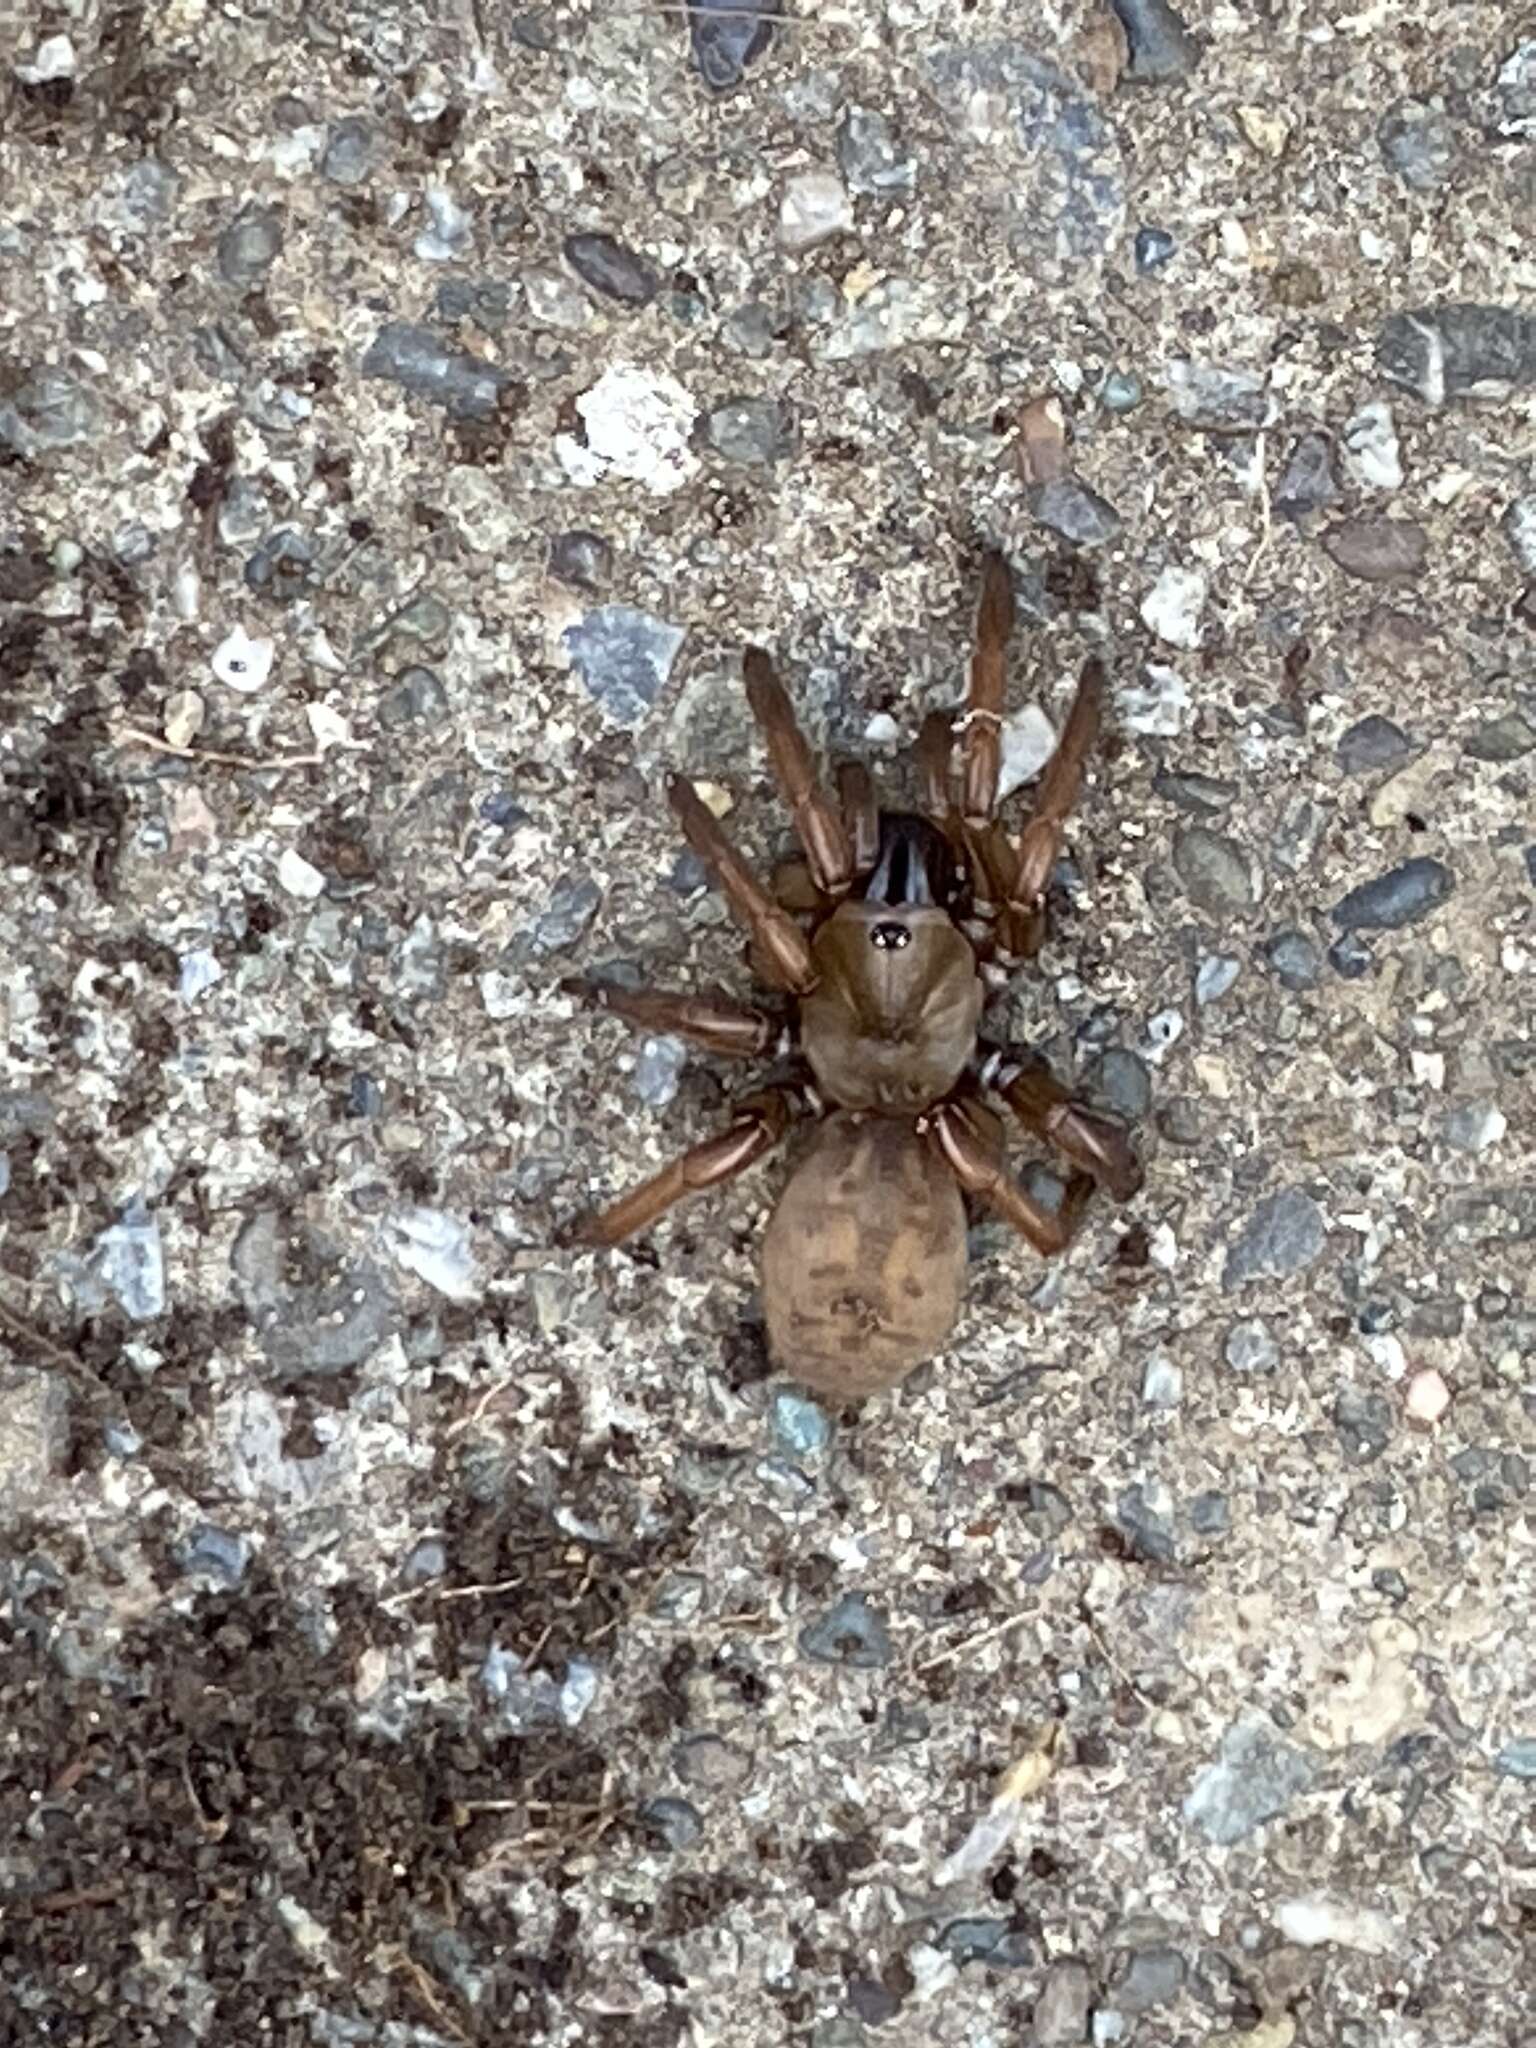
[(879, 936)]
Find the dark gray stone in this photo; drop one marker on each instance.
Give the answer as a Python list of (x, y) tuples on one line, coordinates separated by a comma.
[(751, 330), (1161, 44), (1255, 1778), (1373, 744), (351, 150), (250, 245), (1398, 898), (283, 566), (1216, 872), (417, 359), (751, 431), (1350, 958), (1144, 1517), (1364, 1421), (1377, 549), (1284, 1235), (1075, 512), (1203, 796), (869, 156), (624, 657), (851, 1634), (1216, 399), (572, 905), (1418, 142), (726, 35), (1455, 350), (485, 301), (47, 410), (1294, 958), (610, 268), (1210, 1514), (1503, 739), (1251, 1347), (1152, 1977), (1122, 1081), (1155, 248), (675, 1823), (1308, 484), (416, 697), (1515, 88), (581, 559), (316, 1308)]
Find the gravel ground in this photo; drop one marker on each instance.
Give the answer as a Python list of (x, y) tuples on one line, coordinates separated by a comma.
[(418, 1634)]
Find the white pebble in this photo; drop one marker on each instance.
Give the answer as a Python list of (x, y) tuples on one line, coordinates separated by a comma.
[(199, 971), (183, 719), (1173, 605), (638, 425), (1371, 454), (53, 58), (241, 662), (1428, 1396), (1162, 1382), (813, 208), (882, 730), (1316, 1921), (1156, 705), (298, 876), (1029, 740)]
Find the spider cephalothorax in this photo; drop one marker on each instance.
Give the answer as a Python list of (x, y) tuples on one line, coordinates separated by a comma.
[(880, 938)]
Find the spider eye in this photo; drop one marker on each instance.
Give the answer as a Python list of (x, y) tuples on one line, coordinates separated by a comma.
[(890, 938)]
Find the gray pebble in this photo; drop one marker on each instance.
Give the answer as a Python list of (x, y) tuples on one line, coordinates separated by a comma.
[(675, 1822), (1203, 796), (751, 329), (1122, 1081), (869, 157), (485, 301), (250, 245), (726, 35), (214, 1553), (1215, 976), (1284, 1235), (426, 1561), (1400, 897), (851, 1634), (1075, 512), (1061, 2011), (1448, 351), (1155, 248), (1373, 744), (416, 697), (1107, 2027), (1516, 89), (624, 657), (1517, 1759), (581, 559), (1294, 958), (710, 1761), (1364, 1422), (1377, 549), (1503, 739), (334, 1319), (802, 1427), (1308, 483), (610, 268), (244, 513), (1162, 1382), (1296, 834), (751, 431), (1120, 392), (1220, 400), (1162, 47), (1152, 1977), (1518, 526), (1350, 957), (129, 1259), (120, 1437), (572, 905), (1255, 1778), (1417, 141), (48, 409), (283, 566), (34, 1439), (417, 359), (350, 150), (1474, 1126), (1144, 1516), (1215, 871), (1210, 1514), (1181, 1122), (1251, 1347), (149, 192), (659, 1068)]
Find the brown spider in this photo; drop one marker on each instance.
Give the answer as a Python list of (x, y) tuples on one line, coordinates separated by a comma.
[(865, 1254)]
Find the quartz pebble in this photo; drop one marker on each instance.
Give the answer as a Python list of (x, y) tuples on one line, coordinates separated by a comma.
[(1173, 605), (1428, 1396), (813, 208)]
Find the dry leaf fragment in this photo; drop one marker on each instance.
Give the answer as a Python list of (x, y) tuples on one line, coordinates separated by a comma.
[(993, 1832)]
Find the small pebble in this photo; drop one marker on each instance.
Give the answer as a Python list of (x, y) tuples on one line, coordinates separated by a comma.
[(1373, 744), (572, 905), (1284, 1235), (1161, 45), (1107, 2027), (1155, 248), (1428, 1396), (1144, 1516), (1075, 512), (1350, 958), (612, 269), (1204, 796), (182, 720), (1210, 1514), (1120, 392), (1217, 874), (416, 358), (1156, 704), (1517, 1759), (1255, 1779), (1418, 143), (726, 35), (624, 657), (1307, 483), (1122, 1082), (1220, 400), (1215, 976), (1377, 549), (215, 1553), (1152, 1977), (1475, 1126), (1162, 1382), (658, 1070), (1250, 1346), (869, 156), (852, 1634), (1448, 350), (751, 431), (350, 151), (813, 208), (1173, 605), (711, 1762), (1372, 457), (1316, 1922), (1364, 1421), (1509, 738), (1294, 958), (800, 1425), (249, 246), (298, 876), (1061, 2011), (415, 697), (639, 424), (1401, 897), (677, 1823), (241, 662)]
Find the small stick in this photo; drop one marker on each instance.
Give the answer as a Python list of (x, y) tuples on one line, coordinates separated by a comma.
[(70, 1902), (976, 1642), (1261, 450), (277, 763)]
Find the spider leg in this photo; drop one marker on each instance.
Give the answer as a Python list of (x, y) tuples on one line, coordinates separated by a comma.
[(817, 819), (714, 1022), (760, 1122), (1096, 1144), (1060, 786), (779, 945), (861, 814), (970, 1140), (981, 725)]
